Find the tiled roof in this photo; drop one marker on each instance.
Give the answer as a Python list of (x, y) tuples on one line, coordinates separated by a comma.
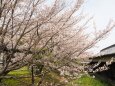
[(108, 47)]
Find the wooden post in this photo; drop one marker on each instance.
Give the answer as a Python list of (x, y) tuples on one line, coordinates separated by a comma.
[(32, 70)]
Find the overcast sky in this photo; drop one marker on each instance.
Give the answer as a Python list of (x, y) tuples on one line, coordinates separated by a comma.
[(103, 11)]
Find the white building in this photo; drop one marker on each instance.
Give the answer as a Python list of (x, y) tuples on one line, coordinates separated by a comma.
[(108, 50)]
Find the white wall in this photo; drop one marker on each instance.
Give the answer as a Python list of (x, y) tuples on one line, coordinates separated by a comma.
[(108, 51)]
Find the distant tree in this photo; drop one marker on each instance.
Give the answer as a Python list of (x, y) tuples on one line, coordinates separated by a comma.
[(46, 33)]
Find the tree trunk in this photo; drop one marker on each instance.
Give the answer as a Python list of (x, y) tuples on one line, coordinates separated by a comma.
[(3, 74), (32, 70)]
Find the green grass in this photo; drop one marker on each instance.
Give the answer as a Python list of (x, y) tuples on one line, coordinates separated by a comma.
[(86, 80), (10, 82), (18, 81), (21, 71), (49, 78)]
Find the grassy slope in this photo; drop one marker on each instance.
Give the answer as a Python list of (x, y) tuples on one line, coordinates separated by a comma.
[(21, 71), (83, 81), (51, 77), (18, 82), (88, 81)]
